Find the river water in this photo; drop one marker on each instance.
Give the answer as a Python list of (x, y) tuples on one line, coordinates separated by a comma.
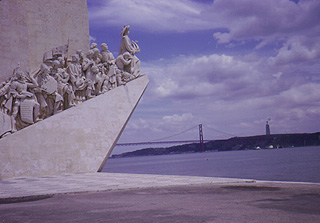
[(286, 164)]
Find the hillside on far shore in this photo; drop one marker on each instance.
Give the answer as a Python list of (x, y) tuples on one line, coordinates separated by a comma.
[(235, 143)]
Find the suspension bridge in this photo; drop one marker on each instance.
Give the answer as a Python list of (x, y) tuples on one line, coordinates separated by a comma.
[(165, 140)]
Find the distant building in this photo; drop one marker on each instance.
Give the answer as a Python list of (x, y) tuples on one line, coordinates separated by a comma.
[(267, 129)]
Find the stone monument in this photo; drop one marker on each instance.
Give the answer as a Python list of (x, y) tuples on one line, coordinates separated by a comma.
[(66, 114), (29, 28)]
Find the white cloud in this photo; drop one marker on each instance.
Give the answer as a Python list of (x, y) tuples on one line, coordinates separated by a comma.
[(246, 19), (307, 94), (185, 117), (167, 87), (92, 39), (215, 76), (264, 21), (251, 19), (291, 27), (296, 50), (139, 123), (154, 15), (277, 75), (222, 37)]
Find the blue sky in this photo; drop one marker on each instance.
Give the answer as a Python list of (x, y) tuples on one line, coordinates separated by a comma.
[(228, 64)]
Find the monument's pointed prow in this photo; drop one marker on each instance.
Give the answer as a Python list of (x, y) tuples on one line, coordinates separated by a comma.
[(134, 92), (77, 140)]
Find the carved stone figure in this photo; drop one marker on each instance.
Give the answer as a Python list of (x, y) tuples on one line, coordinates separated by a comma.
[(80, 85), (106, 55), (87, 65), (49, 98), (123, 62), (64, 87), (5, 108), (112, 76), (25, 108), (93, 46), (4, 96), (81, 56), (126, 45), (100, 80), (96, 57)]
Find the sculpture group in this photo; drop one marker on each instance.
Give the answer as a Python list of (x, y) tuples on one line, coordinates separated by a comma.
[(61, 83)]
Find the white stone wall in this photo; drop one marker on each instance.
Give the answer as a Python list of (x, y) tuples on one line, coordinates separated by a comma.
[(28, 28)]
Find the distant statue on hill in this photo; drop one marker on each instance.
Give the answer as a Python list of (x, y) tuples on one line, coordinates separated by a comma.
[(268, 132)]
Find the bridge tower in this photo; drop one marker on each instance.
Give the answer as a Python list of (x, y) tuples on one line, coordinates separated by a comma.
[(201, 138)]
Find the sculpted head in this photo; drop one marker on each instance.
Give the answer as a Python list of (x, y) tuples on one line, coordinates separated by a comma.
[(90, 54), (104, 46), (125, 30), (96, 52), (19, 75), (56, 63), (56, 54), (80, 53), (93, 45), (75, 58), (61, 61), (95, 69), (44, 69)]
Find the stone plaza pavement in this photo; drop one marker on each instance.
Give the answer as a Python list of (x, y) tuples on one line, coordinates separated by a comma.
[(112, 197), (93, 182)]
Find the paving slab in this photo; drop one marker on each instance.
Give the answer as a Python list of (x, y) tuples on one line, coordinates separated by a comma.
[(93, 182), (205, 200)]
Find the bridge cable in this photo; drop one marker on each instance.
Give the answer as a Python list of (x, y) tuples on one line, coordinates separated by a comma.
[(174, 134), (216, 130)]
